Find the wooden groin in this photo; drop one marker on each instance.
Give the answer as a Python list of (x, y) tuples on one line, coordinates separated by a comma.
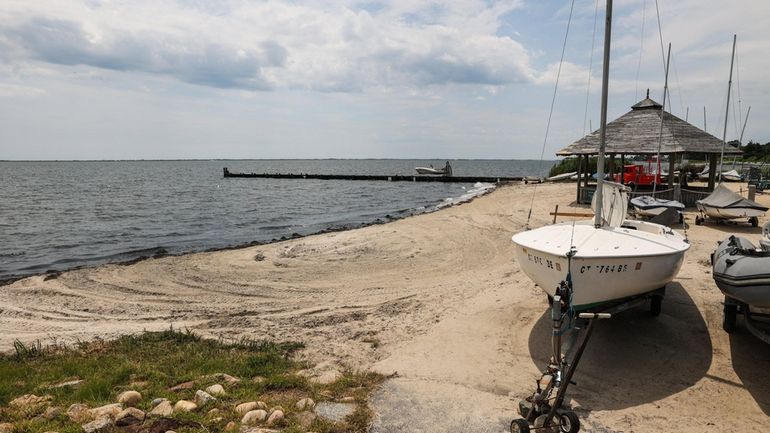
[(373, 177)]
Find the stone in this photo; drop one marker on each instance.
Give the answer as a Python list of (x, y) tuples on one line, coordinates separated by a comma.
[(305, 419), (78, 413), (129, 416), (242, 408), (254, 417), (212, 412), (130, 398), (182, 386), (323, 373), (217, 420), (157, 401), (217, 390), (185, 406), (262, 405), (305, 403), (258, 379), (231, 426), (52, 412), (334, 411), (29, 402), (6, 427), (203, 398), (163, 408), (258, 430), (109, 410), (275, 408), (229, 380), (100, 425), (348, 399), (275, 418), (170, 431)]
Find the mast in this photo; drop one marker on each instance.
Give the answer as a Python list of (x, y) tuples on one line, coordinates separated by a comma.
[(662, 113), (603, 124), (740, 140), (727, 109)]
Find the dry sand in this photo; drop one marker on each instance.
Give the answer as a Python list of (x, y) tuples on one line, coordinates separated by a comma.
[(439, 299)]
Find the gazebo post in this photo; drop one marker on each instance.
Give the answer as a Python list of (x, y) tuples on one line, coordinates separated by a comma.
[(611, 170), (671, 164), (579, 171), (622, 168), (712, 170)]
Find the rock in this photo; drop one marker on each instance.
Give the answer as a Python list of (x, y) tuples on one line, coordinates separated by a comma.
[(275, 408), (253, 417), (52, 413), (262, 405), (212, 412), (182, 386), (129, 416), (101, 425), (334, 411), (217, 420), (258, 430), (130, 398), (258, 379), (6, 427), (29, 402), (217, 390), (157, 401), (348, 399), (305, 419), (275, 418), (170, 431), (305, 403), (242, 408), (110, 410), (203, 398), (78, 413), (163, 408), (231, 426), (230, 380), (185, 406)]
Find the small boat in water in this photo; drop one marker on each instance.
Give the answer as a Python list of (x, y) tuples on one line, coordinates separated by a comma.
[(726, 204), (563, 176), (649, 206), (445, 171)]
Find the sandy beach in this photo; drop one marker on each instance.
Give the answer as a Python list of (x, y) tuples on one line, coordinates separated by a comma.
[(439, 299)]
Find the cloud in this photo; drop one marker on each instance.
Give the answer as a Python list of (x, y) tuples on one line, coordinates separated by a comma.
[(269, 45)]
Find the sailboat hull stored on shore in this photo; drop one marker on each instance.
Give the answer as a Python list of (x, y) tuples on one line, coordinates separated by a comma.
[(610, 263)]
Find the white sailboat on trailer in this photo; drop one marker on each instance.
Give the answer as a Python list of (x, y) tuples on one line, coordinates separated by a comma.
[(610, 258)]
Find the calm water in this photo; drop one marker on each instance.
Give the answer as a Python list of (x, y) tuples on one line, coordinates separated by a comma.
[(60, 215)]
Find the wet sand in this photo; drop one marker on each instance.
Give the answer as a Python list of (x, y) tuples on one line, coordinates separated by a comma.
[(439, 299)]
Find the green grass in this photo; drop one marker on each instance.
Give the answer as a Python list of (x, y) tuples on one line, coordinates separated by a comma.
[(153, 362)]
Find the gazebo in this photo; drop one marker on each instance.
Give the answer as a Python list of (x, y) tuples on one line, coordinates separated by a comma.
[(638, 132)]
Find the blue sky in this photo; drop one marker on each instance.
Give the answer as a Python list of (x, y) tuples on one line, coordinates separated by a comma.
[(102, 79)]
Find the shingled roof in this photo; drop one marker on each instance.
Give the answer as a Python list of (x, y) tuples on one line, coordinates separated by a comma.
[(637, 132)]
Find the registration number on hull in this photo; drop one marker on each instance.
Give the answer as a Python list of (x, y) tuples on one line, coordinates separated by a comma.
[(584, 269)]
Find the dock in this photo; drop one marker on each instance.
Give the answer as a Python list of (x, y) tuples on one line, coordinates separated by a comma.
[(377, 177)]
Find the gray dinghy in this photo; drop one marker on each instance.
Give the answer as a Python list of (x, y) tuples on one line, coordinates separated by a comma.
[(742, 273)]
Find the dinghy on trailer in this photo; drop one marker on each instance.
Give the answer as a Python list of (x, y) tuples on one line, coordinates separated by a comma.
[(725, 204), (648, 206), (742, 273)]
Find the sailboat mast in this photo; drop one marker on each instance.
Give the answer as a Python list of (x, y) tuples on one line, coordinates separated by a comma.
[(727, 108), (603, 124), (662, 112)]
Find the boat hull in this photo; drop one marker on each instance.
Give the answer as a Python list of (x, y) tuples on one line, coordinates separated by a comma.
[(741, 276), (428, 170), (729, 213), (601, 272)]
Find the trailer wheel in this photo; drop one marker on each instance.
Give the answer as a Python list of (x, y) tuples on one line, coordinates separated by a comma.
[(519, 426), (655, 305), (730, 313), (698, 220), (569, 422), (754, 221)]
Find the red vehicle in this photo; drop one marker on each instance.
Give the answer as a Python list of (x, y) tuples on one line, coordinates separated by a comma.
[(634, 175)]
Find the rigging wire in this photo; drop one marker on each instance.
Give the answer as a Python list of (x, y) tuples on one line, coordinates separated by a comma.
[(590, 67), (660, 33), (641, 51), (553, 103)]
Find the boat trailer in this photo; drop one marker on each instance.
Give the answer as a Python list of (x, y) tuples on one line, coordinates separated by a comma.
[(543, 413), (733, 307)]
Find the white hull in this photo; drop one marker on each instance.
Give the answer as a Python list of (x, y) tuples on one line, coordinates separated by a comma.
[(563, 176), (729, 213), (429, 170), (603, 274)]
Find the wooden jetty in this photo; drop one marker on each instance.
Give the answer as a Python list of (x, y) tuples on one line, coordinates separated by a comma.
[(372, 177)]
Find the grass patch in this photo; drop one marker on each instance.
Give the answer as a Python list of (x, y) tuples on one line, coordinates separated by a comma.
[(154, 362)]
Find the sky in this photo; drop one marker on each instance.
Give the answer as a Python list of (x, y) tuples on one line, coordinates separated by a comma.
[(190, 79)]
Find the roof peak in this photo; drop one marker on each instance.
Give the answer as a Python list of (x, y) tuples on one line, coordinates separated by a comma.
[(647, 103)]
